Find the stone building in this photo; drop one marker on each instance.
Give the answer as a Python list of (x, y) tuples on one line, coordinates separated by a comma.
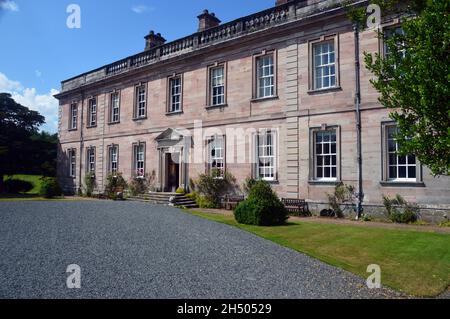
[(270, 95)]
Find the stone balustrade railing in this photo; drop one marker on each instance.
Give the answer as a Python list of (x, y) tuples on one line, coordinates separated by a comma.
[(243, 26)]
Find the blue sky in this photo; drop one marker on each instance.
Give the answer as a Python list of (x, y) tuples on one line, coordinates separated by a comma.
[(39, 50)]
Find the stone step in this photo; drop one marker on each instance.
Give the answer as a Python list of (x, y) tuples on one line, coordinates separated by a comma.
[(163, 199)]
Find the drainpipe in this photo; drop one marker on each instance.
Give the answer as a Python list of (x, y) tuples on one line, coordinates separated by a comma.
[(360, 193), (81, 143)]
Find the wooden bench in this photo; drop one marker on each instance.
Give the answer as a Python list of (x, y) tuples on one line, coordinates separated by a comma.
[(296, 207), (231, 202)]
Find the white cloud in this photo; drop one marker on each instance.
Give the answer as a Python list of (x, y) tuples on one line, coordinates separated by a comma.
[(141, 8), (7, 85), (9, 5), (45, 104)]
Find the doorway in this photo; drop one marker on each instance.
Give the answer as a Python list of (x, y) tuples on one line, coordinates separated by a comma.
[(173, 172)]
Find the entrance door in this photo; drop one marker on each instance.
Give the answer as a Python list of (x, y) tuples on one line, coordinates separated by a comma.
[(173, 172)]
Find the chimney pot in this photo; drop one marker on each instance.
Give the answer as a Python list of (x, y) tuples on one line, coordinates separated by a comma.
[(153, 40), (207, 20)]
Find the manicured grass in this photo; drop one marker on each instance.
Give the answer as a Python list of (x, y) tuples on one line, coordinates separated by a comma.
[(417, 263), (33, 179), (32, 195)]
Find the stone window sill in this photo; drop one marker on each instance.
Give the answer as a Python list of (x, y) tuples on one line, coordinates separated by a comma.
[(174, 113), (219, 106), (323, 183), (402, 184), (263, 99), (137, 119), (327, 90)]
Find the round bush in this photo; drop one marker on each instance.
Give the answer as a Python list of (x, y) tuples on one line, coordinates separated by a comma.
[(180, 190), (50, 188), (16, 186), (263, 207)]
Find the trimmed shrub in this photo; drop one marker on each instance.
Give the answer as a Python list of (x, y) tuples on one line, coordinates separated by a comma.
[(343, 195), (180, 190), (445, 224), (192, 186), (113, 182), (16, 186), (213, 186), (192, 196), (248, 185), (204, 202), (50, 188), (262, 207), (138, 186), (89, 183), (398, 210)]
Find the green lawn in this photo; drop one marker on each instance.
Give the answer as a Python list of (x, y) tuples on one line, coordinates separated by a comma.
[(417, 263), (33, 179), (31, 195)]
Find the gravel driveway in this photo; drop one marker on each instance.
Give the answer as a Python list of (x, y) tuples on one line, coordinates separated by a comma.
[(137, 250)]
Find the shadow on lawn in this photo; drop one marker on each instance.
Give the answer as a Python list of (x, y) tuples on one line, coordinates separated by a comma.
[(18, 196)]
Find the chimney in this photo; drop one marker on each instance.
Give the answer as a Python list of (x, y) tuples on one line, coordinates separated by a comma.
[(207, 20), (153, 40), (280, 2)]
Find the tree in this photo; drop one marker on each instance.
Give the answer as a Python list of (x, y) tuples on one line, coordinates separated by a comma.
[(17, 125), (42, 154), (413, 81)]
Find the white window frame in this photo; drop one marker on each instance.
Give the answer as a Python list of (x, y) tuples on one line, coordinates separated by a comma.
[(175, 94), (141, 102), (217, 81), (264, 157), (321, 67), (394, 153), (90, 160), (72, 154), (139, 160), (265, 75), (217, 160), (387, 33), (329, 133), (92, 110), (73, 116), (113, 159), (115, 107)]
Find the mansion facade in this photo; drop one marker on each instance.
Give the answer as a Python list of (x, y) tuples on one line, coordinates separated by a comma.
[(269, 96)]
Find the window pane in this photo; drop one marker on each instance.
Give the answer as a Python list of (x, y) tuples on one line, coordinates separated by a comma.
[(392, 172), (319, 172), (392, 159), (319, 160), (319, 137), (402, 172), (392, 146), (319, 149), (333, 148), (411, 172)]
